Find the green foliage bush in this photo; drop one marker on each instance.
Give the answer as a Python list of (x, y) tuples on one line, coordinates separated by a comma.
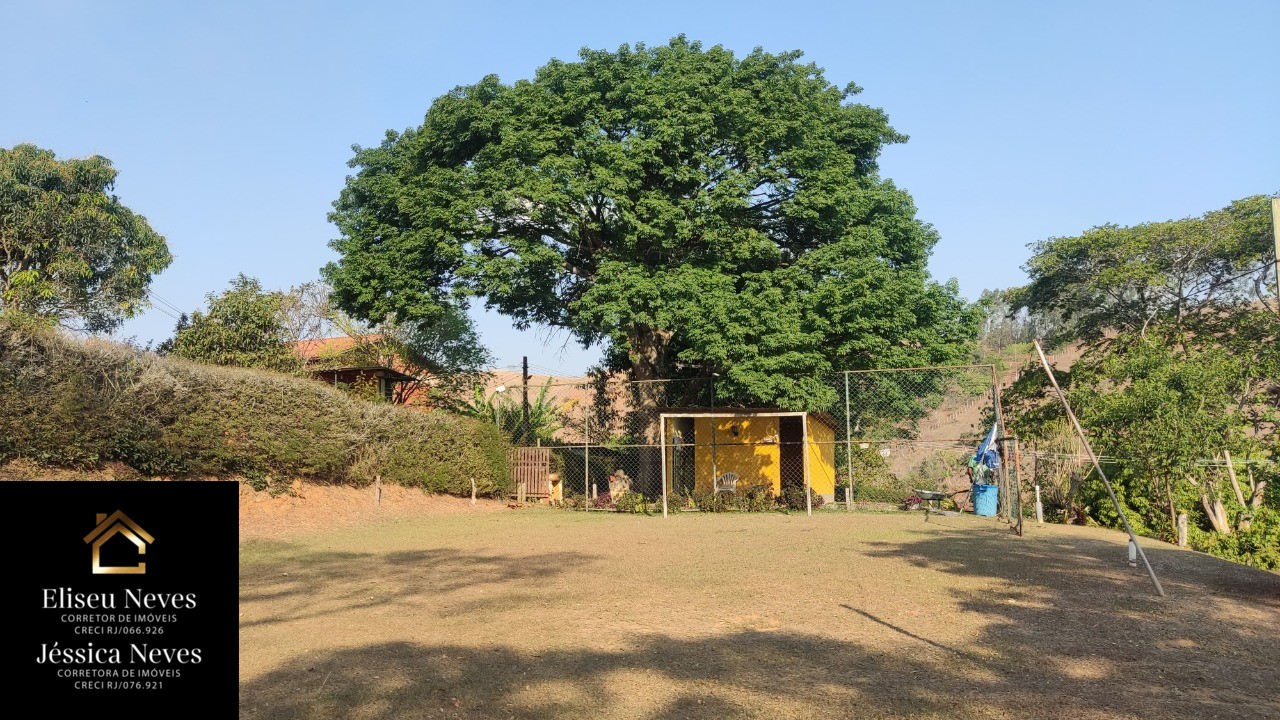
[(713, 502), (872, 479), (1259, 546), (793, 498), (631, 502), (79, 404), (756, 500)]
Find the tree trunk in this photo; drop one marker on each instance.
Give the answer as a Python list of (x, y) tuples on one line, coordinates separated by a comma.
[(1246, 518), (1210, 498), (1173, 512), (1255, 500), (647, 351), (1217, 514)]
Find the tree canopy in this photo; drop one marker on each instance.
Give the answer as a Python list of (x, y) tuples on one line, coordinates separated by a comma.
[(244, 326), (692, 211), (70, 251), (1179, 275)]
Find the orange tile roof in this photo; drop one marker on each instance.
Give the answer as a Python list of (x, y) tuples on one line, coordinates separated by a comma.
[(330, 346)]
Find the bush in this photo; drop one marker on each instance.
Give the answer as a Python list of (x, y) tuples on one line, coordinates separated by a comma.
[(1258, 547), (756, 500), (573, 501), (78, 404), (713, 502), (794, 498), (631, 502)]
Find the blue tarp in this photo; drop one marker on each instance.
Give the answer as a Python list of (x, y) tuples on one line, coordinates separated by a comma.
[(987, 453)]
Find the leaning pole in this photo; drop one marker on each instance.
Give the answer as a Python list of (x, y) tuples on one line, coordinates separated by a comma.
[(1133, 539)]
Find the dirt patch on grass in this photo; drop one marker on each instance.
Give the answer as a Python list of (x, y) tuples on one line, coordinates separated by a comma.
[(26, 470), (309, 508), (547, 614), (305, 508)]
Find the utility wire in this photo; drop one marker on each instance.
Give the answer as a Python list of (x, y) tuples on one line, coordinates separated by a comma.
[(151, 294)]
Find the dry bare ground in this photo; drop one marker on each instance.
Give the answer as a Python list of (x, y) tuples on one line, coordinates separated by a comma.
[(537, 613)]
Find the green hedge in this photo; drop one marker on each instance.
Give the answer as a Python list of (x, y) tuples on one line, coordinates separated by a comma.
[(77, 404)]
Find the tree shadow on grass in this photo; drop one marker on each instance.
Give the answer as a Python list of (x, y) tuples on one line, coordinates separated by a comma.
[(298, 584), (750, 674), (1207, 649)]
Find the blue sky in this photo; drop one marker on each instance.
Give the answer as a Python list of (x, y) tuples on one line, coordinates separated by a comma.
[(231, 122)]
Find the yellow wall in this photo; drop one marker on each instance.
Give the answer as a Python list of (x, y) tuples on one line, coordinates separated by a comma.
[(754, 454), (748, 453), (822, 458)]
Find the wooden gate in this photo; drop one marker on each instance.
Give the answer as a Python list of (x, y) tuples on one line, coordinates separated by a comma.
[(530, 472)]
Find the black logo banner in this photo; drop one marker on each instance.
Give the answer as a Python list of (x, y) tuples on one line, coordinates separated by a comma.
[(121, 597)]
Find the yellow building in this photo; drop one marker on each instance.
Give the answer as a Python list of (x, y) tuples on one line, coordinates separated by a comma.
[(762, 447)]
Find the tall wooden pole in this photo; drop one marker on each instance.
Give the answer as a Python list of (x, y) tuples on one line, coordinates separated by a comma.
[(1002, 476), (1133, 538), (524, 396)]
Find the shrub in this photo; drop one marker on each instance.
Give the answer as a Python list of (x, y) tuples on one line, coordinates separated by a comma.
[(713, 502), (756, 500), (573, 501), (631, 502), (1259, 546), (793, 498), (677, 501), (78, 404)]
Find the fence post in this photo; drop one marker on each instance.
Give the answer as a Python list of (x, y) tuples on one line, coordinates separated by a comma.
[(804, 448), (848, 444), (1002, 485), (586, 453), (1015, 485), (662, 445)]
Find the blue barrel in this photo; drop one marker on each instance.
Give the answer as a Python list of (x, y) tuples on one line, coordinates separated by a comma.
[(984, 500)]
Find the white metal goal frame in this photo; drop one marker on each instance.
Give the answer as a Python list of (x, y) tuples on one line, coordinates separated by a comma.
[(713, 414)]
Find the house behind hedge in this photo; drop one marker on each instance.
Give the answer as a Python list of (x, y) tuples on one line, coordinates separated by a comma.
[(356, 364)]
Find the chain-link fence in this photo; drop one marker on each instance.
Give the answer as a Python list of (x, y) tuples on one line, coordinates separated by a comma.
[(866, 437)]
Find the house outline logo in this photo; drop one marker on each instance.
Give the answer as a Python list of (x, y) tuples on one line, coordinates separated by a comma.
[(117, 523)]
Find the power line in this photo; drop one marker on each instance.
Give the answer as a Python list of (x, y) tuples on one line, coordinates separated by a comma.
[(164, 311), (156, 298)]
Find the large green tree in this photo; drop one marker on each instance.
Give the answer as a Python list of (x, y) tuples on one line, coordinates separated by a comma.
[(692, 211), (70, 251)]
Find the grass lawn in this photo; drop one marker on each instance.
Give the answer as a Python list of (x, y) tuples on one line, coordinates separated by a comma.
[(538, 613)]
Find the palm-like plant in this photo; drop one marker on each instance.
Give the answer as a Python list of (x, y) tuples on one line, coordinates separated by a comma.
[(546, 417)]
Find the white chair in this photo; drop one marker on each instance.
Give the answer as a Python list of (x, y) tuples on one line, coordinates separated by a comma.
[(728, 482)]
